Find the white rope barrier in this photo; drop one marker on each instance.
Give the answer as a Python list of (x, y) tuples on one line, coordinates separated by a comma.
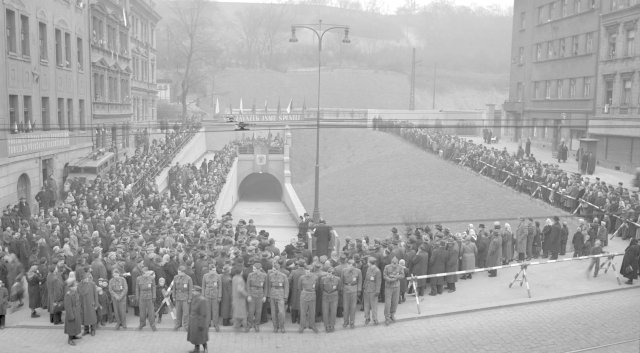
[(413, 280)]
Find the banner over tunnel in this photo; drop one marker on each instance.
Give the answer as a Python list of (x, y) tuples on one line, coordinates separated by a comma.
[(260, 187)]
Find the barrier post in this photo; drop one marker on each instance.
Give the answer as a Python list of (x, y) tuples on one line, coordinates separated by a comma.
[(414, 284), (523, 272), (609, 263), (536, 191), (617, 230), (507, 178)]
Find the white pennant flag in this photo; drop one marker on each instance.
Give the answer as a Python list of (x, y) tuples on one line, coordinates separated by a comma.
[(241, 109), (289, 106), (217, 106)]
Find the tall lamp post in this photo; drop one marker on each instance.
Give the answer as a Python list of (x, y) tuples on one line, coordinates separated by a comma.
[(319, 31)]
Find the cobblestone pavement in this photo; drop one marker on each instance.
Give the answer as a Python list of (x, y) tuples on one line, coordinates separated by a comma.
[(596, 323)]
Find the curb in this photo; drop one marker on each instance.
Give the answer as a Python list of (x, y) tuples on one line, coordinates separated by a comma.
[(406, 319)]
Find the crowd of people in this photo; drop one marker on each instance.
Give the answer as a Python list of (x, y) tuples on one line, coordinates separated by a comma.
[(102, 252)]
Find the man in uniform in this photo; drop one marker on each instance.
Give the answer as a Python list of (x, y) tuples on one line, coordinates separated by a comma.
[(307, 286), (182, 294), (330, 288), (392, 274), (351, 280), (371, 290), (278, 293), (212, 290), (118, 289), (146, 294), (257, 287)]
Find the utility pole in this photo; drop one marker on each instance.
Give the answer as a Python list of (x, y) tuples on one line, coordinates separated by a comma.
[(433, 101), (412, 93)]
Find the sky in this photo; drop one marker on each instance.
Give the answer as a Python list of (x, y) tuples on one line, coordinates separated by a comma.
[(389, 6)]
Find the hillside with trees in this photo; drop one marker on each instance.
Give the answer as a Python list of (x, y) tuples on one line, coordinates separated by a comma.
[(228, 51)]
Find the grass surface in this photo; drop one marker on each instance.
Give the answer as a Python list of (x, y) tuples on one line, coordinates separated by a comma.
[(371, 181), (353, 88)]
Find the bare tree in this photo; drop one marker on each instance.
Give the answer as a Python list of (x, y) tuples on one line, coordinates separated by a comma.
[(187, 32)]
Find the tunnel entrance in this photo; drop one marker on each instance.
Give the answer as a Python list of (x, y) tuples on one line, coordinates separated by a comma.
[(260, 187)]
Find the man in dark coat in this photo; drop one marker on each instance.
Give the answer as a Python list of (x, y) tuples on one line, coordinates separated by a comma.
[(420, 266), (72, 316), (437, 264), (631, 261), (555, 237), (199, 318), (322, 235)]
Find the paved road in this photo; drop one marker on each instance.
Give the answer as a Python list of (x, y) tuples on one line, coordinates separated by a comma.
[(274, 217), (572, 325)]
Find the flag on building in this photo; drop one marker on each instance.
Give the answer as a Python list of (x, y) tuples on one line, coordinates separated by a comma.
[(124, 16), (241, 108), (217, 107), (289, 107), (278, 106), (266, 107)]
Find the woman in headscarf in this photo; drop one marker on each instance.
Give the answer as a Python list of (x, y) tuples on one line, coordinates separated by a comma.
[(33, 280), (507, 244)]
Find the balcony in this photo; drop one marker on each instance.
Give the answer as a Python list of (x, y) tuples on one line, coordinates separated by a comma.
[(144, 86), (512, 106), (24, 143), (113, 109)]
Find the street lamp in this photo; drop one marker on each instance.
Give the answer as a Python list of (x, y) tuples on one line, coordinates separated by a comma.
[(319, 31)]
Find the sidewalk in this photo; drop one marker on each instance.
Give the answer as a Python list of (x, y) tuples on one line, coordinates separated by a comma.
[(548, 282), (607, 175)]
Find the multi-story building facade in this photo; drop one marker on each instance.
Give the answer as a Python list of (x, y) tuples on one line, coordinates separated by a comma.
[(617, 115), (111, 69), (144, 20), (575, 73), (552, 77), (44, 85)]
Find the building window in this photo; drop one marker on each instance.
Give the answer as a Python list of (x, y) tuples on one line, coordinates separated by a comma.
[(608, 94), (587, 87), (24, 35), (553, 10), (575, 48), (547, 90), (111, 37), (536, 90), (523, 20), (589, 43), (45, 114), (61, 113), (577, 6), (13, 112), (541, 14), (27, 112), (124, 43), (98, 33), (42, 30), (11, 31), (625, 99), (559, 93), (112, 88), (70, 114), (81, 114), (611, 50), (67, 49), (551, 50), (519, 92), (538, 52), (631, 38), (59, 47), (561, 50), (572, 88), (565, 8), (80, 50), (124, 91)]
